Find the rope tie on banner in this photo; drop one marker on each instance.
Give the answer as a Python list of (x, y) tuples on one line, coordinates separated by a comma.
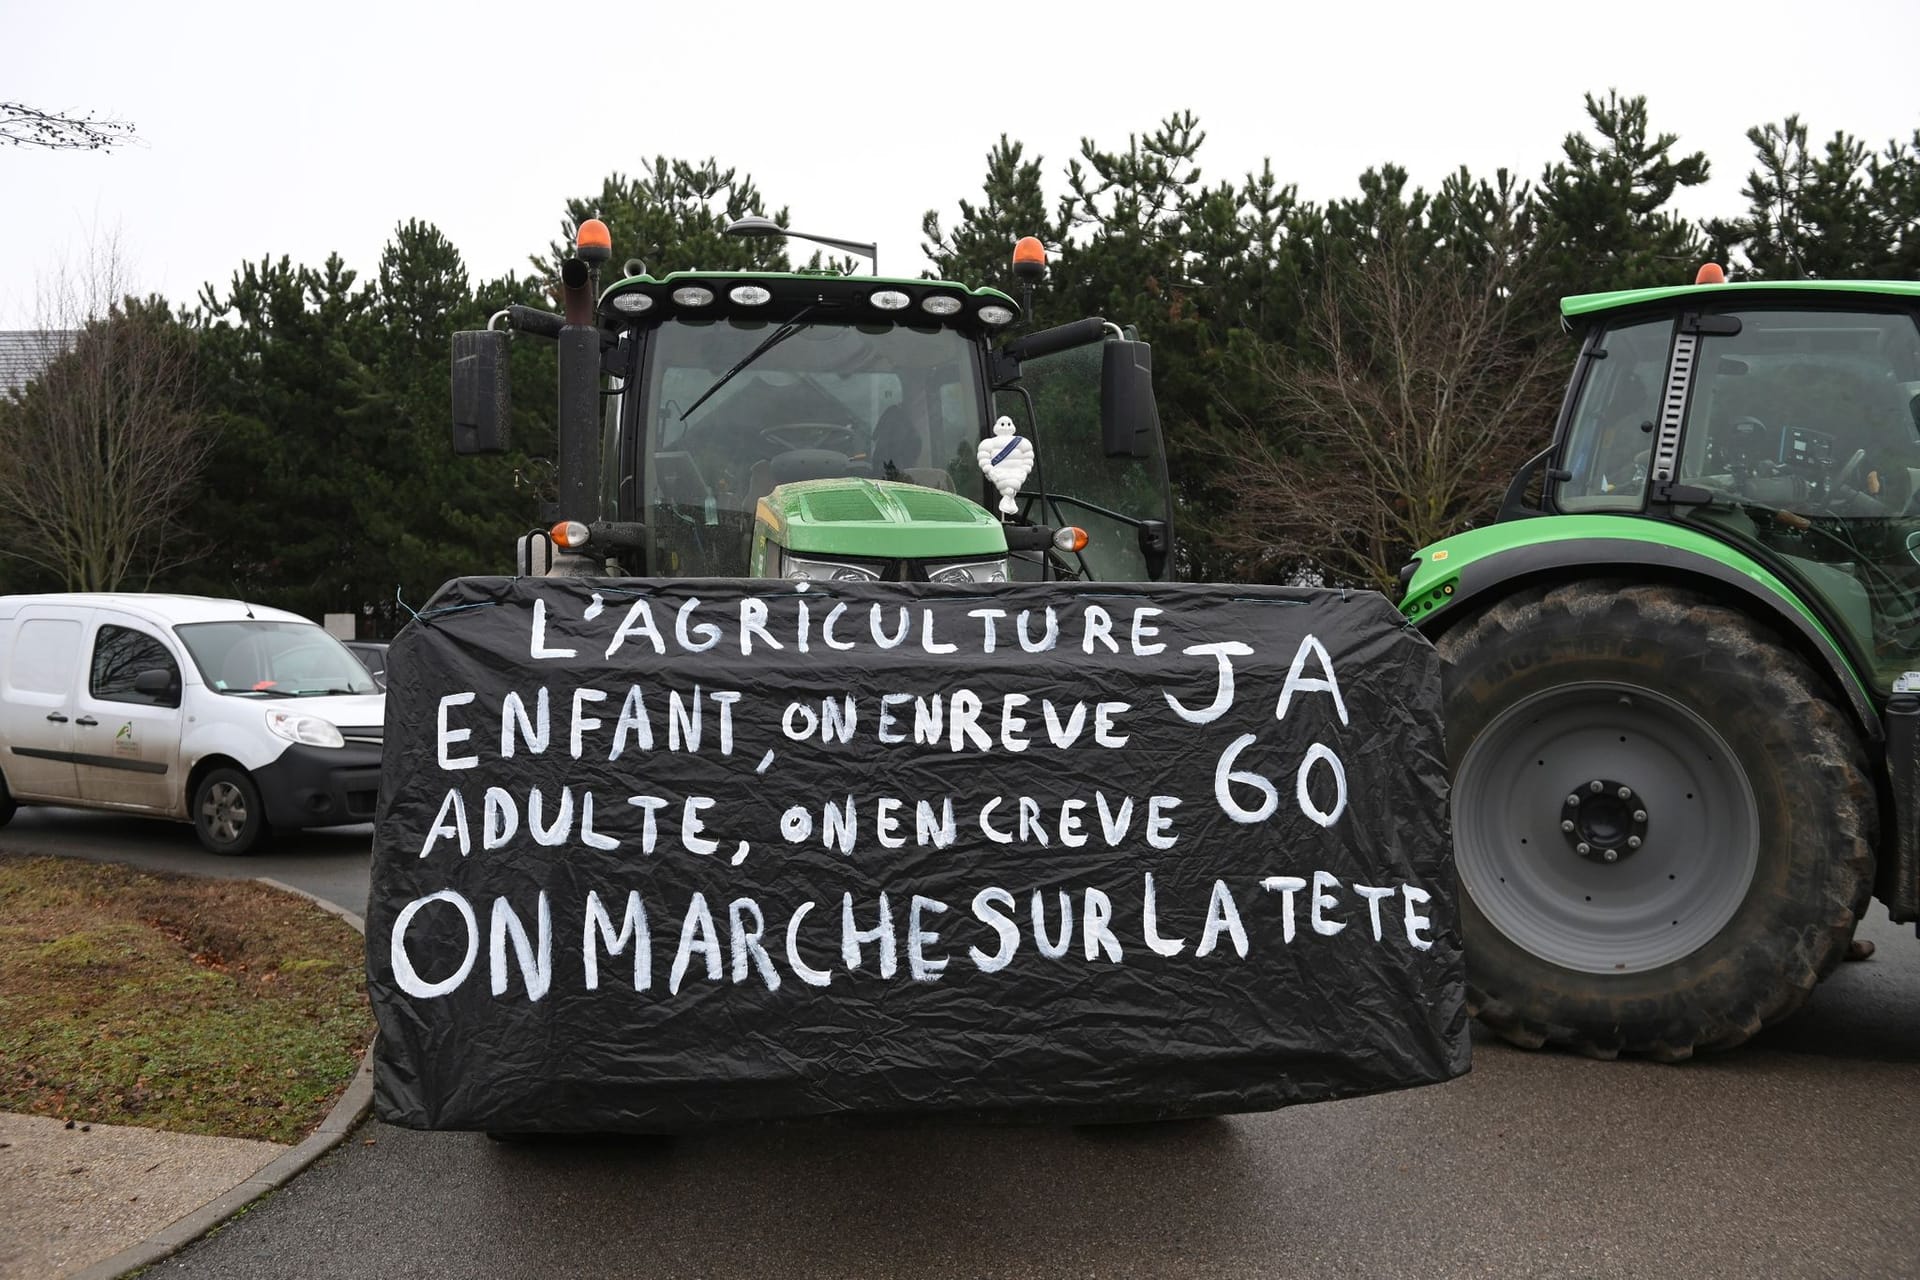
[(426, 617)]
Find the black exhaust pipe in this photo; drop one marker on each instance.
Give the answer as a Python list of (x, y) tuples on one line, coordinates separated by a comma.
[(579, 416)]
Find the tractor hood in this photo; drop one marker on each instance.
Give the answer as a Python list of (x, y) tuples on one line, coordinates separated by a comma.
[(852, 516)]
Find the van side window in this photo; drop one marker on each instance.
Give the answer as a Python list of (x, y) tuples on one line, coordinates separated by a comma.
[(120, 654)]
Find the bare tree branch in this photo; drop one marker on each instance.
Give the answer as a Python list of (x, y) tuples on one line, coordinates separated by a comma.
[(100, 453), (25, 126), (1397, 422)]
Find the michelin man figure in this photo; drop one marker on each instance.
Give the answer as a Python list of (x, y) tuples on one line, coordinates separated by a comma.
[(1005, 460)]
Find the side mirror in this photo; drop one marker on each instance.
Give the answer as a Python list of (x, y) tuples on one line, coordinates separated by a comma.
[(1062, 337), (480, 391), (1129, 418), (157, 683)]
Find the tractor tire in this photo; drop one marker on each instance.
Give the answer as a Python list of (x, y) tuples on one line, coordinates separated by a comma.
[(228, 814), (1663, 824)]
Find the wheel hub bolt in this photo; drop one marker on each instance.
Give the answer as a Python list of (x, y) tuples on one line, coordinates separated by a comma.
[(1604, 820)]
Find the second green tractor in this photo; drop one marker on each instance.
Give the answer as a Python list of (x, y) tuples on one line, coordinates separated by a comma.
[(1683, 704)]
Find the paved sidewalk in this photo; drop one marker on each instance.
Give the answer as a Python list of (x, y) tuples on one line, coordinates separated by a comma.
[(77, 1196), (94, 1201)]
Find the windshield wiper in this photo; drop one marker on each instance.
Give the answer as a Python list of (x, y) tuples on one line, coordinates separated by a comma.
[(767, 344)]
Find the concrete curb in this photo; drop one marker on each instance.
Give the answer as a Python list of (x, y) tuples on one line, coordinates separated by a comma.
[(331, 908), (346, 1115)]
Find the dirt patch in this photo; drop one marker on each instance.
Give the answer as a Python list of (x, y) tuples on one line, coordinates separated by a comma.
[(217, 1007)]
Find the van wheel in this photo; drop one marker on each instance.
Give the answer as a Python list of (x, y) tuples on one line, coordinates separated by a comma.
[(228, 814), (7, 807)]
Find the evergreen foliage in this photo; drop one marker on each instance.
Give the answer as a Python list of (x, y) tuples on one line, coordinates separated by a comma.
[(1381, 356)]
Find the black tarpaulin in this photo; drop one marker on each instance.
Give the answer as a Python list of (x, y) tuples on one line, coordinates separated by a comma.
[(652, 855)]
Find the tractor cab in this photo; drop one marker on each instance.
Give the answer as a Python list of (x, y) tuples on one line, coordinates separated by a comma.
[(810, 424), (1781, 418)]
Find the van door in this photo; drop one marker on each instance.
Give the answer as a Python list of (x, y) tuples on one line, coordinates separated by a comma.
[(39, 682), (126, 740)]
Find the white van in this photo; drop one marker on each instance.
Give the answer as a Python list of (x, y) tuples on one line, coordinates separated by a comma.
[(233, 717)]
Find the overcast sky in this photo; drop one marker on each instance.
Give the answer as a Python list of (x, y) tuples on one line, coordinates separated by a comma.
[(282, 129)]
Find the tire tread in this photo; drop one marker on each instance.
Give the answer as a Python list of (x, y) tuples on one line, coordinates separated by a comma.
[(1832, 747)]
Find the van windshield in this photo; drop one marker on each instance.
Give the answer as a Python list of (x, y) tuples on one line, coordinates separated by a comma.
[(273, 659)]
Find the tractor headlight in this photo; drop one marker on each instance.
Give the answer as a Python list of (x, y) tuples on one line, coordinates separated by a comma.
[(802, 570), (971, 571), (308, 731)]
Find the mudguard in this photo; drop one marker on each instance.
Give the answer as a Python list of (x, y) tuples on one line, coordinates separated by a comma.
[(1480, 565), (655, 855)]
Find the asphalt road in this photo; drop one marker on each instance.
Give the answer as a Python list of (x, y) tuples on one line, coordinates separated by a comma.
[(1793, 1156), (330, 863)]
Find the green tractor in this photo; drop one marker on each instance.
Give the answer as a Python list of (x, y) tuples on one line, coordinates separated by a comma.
[(814, 425), (1683, 695)]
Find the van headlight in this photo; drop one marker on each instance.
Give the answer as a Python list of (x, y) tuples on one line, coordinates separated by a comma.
[(970, 571), (798, 569), (308, 731)]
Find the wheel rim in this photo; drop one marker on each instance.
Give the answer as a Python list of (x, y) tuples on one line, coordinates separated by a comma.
[(223, 810), (1654, 903)]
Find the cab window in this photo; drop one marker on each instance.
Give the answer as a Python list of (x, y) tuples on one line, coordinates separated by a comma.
[(809, 400), (1804, 427), (1611, 434), (1109, 497), (120, 654), (1786, 403)]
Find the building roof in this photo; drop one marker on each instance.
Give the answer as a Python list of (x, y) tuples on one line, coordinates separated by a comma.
[(25, 352)]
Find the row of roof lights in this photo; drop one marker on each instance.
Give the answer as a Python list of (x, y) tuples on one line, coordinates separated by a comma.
[(753, 295)]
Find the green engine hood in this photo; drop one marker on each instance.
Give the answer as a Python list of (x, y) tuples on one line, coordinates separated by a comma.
[(873, 518)]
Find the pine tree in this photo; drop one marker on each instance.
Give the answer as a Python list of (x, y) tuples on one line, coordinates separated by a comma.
[(1893, 183), (674, 218), (1808, 215), (979, 250), (1604, 220)]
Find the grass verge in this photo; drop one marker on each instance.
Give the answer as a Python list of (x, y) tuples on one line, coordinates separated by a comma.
[(200, 1006)]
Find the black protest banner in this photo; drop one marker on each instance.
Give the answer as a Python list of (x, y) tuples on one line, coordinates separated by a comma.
[(652, 855)]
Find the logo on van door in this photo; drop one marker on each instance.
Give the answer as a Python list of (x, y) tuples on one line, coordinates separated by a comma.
[(123, 743)]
